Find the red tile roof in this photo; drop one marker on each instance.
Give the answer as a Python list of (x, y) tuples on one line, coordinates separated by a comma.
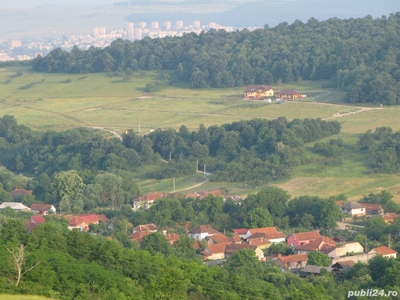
[(147, 227), (94, 218), (20, 192), (258, 242), (138, 236), (293, 258), (172, 237), (240, 231), (76, 221), (288, 92), (220, 238), (236, 247), (38, 219), (150, 197), (253, 88), (383, 250), (215, 248), (307, 236), (390, 216), (318, 244), (266, 232), (41, 207), (203, 229), (370, 206)]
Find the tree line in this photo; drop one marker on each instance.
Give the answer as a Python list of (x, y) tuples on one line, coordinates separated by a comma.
[(257, 150), (357, 55)]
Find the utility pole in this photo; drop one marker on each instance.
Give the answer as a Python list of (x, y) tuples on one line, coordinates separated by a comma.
[(170, 156), (173, 181), (197, 165)]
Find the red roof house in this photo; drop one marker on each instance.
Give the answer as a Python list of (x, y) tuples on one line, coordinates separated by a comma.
[(20, 192), (302, 238), (43, 209)]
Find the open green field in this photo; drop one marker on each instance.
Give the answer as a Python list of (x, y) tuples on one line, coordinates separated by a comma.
[(62, 101)]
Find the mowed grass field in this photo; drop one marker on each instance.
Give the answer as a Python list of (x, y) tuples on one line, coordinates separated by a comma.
[(61, 101)]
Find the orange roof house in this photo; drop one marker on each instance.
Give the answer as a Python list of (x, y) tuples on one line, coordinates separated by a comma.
[(138, 236), (42, 209), (269, 233), (292, 262), (172, 238), (390, 217), (147, 200), (384, 251), (301, 238), (201, 232), (261, 242), (20, 192), (289, 95), (323, 244), (258, 92), (147, 227)]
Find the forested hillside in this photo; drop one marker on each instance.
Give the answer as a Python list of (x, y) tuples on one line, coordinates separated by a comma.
[(358, 55)]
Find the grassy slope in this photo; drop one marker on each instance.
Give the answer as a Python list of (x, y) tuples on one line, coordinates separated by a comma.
[(64, 101)]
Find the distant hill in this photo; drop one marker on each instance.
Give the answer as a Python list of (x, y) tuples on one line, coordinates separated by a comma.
[(259, 13)]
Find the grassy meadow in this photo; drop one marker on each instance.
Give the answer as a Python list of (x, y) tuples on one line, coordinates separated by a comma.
[(61, 101)]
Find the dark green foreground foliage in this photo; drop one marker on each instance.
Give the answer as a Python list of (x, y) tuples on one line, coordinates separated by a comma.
[(357, 55)]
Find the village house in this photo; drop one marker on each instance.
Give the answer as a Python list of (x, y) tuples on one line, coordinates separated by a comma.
[(43, 209), (342, 266), (34, 221), (269, 233), (258, 92), (240, 231), (292, 262), (302, 238), (222, 238), (384, 251), (21, 192), (363, 258), (172, 238), (261, 243), (146, 227), (322, 244), (314, 270), (225, 250), (17, 206), (138, 236), (344, 250), (214, 251), (201, 195), (83, 221), (201, 232), (389, 217), (146, 201), (353, 209), (288, 95), (373, 209), (231, 248)]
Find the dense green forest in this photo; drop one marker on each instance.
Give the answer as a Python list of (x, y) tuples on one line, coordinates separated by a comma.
[(256, 150), (360, 56)]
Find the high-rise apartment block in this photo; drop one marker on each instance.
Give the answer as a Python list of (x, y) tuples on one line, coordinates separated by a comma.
[(138, 34), (130, 30), (154, 25), (179, 24), (167, 25), (14, 44), (142, 25), (196, 24)]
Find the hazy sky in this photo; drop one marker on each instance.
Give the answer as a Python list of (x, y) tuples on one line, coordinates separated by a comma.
[(35, 3)]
